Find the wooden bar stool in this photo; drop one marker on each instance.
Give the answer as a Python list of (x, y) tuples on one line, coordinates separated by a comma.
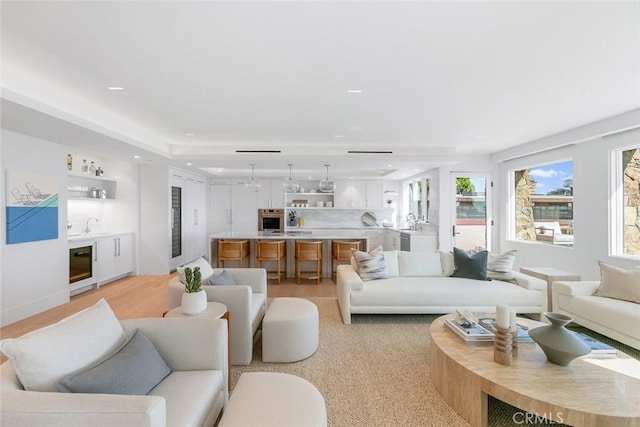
[(309, 251), (232, 250), (272, 251), (341, 253)]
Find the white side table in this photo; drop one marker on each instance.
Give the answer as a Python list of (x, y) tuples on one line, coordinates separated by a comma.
[(214, 310), (549, 275)]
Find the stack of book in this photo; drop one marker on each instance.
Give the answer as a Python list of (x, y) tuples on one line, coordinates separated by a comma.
[(598, 349), (478, 331)]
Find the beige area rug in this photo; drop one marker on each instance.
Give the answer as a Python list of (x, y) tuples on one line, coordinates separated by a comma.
[(374, 372)]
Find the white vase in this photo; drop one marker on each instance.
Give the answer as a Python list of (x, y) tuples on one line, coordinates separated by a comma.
[(194, 303)]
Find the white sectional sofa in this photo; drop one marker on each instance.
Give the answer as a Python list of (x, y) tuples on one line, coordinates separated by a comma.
[(409, 290), (614, 318)]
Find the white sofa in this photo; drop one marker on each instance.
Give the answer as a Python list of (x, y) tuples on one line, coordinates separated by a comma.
[(614, 318), (246, 302), (194, 394), (404, 292)]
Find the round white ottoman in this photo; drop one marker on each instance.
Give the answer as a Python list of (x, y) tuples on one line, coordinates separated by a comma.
[(274, 399), (290, 330)]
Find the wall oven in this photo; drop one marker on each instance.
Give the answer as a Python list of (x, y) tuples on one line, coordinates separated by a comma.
[(83, 257), (271, 220)]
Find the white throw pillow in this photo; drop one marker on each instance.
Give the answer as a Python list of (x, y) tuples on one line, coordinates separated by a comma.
[(448, 264), (44, 356), (500, 266), (619, 283), (419, 264), (205, 270)]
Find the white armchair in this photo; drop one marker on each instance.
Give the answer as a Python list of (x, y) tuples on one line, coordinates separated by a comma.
[(552, 232), (194, 394), (246, 302)]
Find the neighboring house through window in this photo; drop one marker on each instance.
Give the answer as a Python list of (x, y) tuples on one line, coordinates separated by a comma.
[(544, 203)]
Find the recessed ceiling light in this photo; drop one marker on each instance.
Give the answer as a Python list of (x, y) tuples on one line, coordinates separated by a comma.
[(115, 88), (190, 134), (338, 136), (189, 164), (354, 90), (416, 170), (136, 157), (585, 93), (389, 166)]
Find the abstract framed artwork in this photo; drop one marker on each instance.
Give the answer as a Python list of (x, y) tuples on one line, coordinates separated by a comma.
[(31, 206)]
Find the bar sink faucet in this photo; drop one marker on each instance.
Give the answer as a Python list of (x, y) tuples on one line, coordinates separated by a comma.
[(89, 219), (411, 220)]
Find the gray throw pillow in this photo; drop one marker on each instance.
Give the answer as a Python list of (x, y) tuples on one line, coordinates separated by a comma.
[(135, 369), (470, 266), (222, 279), (371, 265)]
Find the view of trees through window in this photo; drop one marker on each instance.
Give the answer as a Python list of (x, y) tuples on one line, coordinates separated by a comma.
[(631, 201), (544, 203)]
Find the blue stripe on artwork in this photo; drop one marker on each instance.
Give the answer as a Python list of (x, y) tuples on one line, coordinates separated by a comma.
[(33, 223)]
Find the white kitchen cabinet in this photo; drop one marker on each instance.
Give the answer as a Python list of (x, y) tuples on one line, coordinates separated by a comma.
[(233, 207), (114, 257), (424, 242), (374, 238), (271, 195), (374, 194), (392, 240), (350, 194)]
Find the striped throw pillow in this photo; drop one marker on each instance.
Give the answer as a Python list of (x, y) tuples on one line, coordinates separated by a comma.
[(500, 266), (371, 265)]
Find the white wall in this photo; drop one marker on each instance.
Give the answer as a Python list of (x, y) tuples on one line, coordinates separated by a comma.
[(34, 276), (591, 208)]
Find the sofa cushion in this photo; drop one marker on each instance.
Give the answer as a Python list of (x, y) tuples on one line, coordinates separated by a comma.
[(42, 357), (135, 368), (470, 266), (371, 265), (619, 283), (391, 263), (223, 278), (500, 266), (419, 264), (205, 270), (448, 265)]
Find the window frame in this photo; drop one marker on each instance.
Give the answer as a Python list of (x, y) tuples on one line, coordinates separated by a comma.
[(616, 209)]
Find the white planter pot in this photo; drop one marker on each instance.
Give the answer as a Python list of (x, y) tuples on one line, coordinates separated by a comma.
[(194, 303)]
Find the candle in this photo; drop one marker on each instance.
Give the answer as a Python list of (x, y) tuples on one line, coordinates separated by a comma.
[(502, 316), (512, 320)]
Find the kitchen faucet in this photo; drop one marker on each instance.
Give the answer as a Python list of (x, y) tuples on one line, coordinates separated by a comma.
[(411, 220), (89, 219)]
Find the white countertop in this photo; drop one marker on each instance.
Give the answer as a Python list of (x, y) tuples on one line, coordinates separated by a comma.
[(92, 236), (293, 234)]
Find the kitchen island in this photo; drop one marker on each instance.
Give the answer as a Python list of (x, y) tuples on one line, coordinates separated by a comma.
[(290, 236)]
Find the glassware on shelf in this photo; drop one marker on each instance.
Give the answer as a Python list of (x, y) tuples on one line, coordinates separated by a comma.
[(92, 169), (85, 167)]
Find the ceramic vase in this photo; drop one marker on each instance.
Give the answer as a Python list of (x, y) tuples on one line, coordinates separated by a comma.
[(560, 345), (194, 303)]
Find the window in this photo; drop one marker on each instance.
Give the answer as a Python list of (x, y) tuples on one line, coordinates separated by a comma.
[(544, 203), (417, 192), (626, 206)]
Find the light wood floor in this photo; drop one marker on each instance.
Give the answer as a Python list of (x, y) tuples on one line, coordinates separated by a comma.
[(146, 296)]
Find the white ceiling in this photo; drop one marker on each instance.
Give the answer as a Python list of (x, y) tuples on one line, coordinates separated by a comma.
[(439, 80)]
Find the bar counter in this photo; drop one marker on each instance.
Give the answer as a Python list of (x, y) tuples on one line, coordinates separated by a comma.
[(290, 236)]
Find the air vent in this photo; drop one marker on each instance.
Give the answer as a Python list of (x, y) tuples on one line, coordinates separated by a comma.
[(368, 152), (258, 151)]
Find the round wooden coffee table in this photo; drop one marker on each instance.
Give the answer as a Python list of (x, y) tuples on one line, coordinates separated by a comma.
[(589, 392)]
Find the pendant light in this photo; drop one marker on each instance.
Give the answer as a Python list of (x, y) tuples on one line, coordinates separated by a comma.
[(252, 184), (290, 184), (327, 186)]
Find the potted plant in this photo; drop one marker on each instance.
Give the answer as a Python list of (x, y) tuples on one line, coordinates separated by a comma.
[(292, 218), (194, 299)]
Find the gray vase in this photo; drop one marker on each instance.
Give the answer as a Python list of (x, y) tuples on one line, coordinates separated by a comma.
[(560, 345)]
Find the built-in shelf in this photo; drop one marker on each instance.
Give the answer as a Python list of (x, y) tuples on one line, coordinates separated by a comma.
[(80, 187)]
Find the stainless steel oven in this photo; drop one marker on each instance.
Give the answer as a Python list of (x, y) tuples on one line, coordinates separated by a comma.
[(82, 265), (270, 219)]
